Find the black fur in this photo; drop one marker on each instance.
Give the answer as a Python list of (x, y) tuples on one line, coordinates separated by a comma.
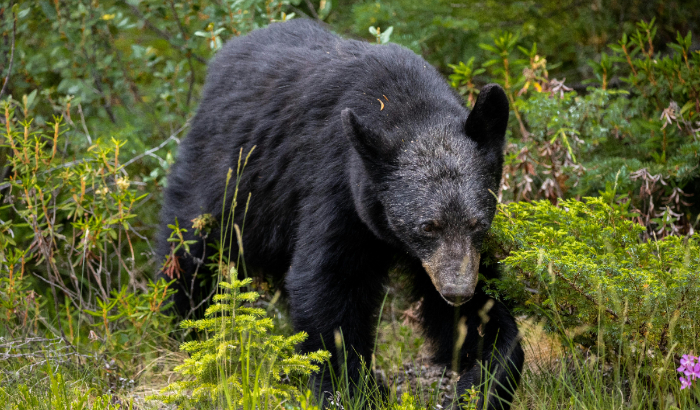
[(342, 188)]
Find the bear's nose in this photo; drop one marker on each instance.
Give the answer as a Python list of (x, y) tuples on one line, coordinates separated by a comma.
[(456, 295)]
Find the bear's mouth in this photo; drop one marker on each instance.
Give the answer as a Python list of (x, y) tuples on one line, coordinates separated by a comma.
[(456, 301)]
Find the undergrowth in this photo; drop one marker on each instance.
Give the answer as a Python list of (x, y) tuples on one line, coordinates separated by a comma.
[(240, 364)]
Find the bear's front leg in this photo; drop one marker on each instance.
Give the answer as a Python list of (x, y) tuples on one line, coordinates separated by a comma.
[(490, 357), (336, 285)]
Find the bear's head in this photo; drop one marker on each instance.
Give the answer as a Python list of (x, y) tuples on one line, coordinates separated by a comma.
[(434, 186)]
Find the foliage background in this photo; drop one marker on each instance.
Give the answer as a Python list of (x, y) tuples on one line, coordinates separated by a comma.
[(97, 95)]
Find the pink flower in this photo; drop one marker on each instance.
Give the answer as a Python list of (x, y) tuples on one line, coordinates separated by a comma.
[(684, 383), (696, 371), (685, 359), (690, 369)]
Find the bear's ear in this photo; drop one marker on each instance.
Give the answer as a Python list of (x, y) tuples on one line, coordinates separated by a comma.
[(368, 143), (487, 121)]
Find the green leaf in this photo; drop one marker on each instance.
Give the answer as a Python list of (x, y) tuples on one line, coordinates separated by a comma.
[(386, 35), (687, 106)]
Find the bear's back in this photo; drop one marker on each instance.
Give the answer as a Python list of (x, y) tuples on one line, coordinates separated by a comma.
[(299, 63), (302, 33), (282, 46)]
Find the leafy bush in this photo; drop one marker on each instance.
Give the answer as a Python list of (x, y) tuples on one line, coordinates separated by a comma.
[(131, 70), (67, 262), (445, 32), (624, 307), (586, 264), (75, 259), (114, 56), (239, 364)]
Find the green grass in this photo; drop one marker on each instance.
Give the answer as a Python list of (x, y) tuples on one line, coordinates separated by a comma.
[(569, 376), (557, 375)]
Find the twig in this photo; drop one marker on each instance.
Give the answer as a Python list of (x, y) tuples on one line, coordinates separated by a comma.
[(82, 120), (585, 295), (191, 86), (152, 150), (12, 54), (194, 278), (312, 9), (142, 237), (202, 302), (20, 344), (55, 303), (580, 292), (301, 12), (62, 288)]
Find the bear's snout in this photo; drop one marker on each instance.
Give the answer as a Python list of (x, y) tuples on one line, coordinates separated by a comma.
[(456, 295), (454, 270)]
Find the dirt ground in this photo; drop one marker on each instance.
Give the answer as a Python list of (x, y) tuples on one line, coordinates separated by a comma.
[(420, 375)]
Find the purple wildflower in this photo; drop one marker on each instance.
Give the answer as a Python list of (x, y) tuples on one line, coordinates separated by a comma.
[(684, 383), (685, 359), (690, 369)]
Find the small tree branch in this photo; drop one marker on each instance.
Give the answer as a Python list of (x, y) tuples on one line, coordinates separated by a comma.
[(152, 150), (312, 9), (296, 10), (82, 120)]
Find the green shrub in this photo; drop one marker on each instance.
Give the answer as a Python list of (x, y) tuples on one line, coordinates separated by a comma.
[(445, 32), (68, 278), (618, 271), (586, 264), (240, 364)]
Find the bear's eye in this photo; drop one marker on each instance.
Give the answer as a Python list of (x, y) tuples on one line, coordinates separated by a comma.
[(429, 227)]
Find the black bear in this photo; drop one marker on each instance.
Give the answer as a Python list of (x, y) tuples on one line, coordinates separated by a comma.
[(364, 158)]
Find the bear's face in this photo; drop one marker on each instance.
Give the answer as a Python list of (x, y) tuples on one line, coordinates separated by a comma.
[(437, 188), (440, 202)]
